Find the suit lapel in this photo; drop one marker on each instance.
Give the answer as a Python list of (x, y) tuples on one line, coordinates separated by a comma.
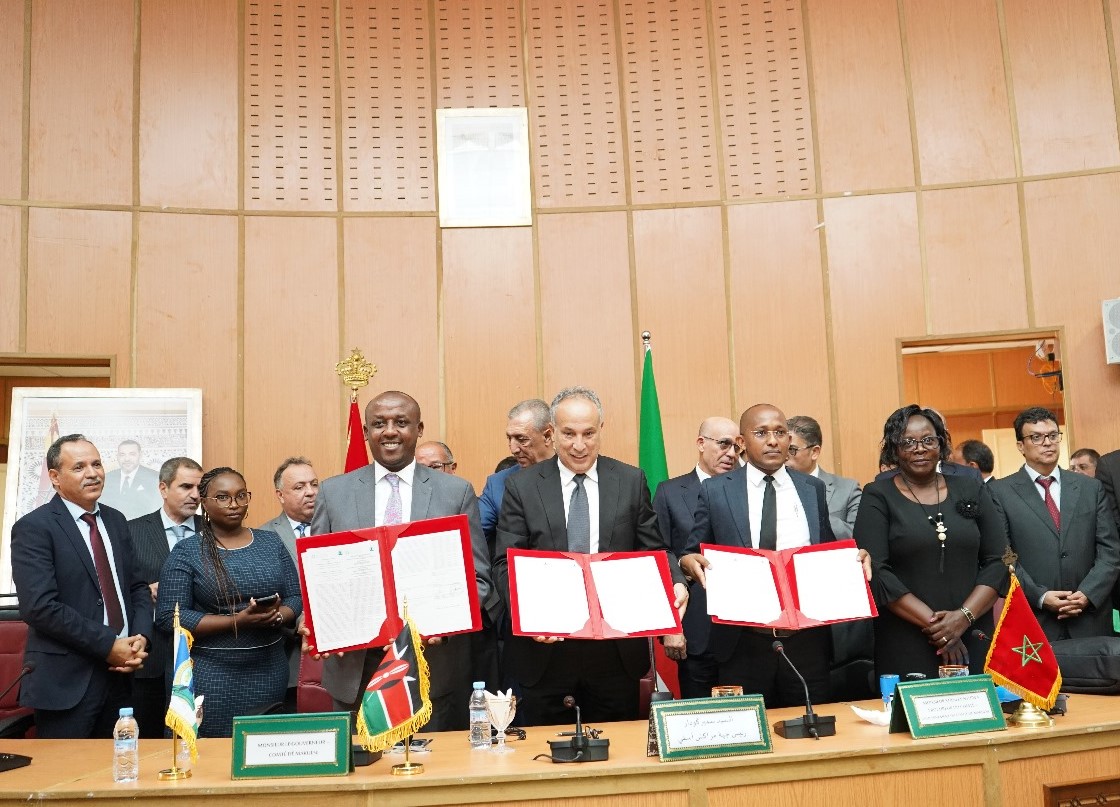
[(74, 535), (608, 505), (1030, 493), (364, 504), (1071, 492), (808, 497), (734, 486), (421, 492), (552, 500)]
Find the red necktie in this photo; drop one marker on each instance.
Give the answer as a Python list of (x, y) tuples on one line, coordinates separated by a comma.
[(104, 575), (1051, 505)]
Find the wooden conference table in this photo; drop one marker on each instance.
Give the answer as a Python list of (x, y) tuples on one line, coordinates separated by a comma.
[(862, 765)]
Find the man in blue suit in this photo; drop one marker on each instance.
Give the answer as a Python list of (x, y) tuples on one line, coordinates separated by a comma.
[(763, 505), (89, 614)]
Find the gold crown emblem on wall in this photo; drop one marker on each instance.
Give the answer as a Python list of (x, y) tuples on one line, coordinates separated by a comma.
[(355, 371)]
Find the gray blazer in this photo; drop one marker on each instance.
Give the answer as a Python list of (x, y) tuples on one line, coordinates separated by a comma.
[(843, 495), (1084, 557), (346, 502), (282, 527)]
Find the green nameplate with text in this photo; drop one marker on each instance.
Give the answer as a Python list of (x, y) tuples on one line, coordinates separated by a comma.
[(711, 727), (939, 707), (281, 746)]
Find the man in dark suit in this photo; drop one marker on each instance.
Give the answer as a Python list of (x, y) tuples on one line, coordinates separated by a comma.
[(718, 445), (153, 536), (89, 615), (131, 488), (297, 488), (975, 454), (764, 505), (1059, 525), (393, 489), (841, 493), (1108, 474), (580, 502)]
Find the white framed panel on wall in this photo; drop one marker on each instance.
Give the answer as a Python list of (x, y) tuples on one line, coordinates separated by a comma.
[(483, 176)]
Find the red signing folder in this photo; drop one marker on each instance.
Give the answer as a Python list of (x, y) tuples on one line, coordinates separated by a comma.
[(605, 596), (355, 583), (761, 588)]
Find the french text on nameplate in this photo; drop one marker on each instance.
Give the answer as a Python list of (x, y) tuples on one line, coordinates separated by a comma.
[(295, 748), (710, 729), (934, 710)]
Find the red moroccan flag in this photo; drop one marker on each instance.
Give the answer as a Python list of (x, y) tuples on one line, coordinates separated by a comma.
[(356, 456), (1020, 657)]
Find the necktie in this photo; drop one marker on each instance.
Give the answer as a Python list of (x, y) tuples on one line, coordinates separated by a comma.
[(768, 529), (180, 532), (104, 575), (126, 484), (1051, 505), (579, 518), (301, 528), (393, 508)]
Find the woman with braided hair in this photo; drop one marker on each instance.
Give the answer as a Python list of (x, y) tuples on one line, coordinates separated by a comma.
[(237, 590)]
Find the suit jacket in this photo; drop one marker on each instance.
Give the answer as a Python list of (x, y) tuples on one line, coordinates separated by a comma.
[(533, 518), (675, 505), (1108, 474), (723, 517), (490, 503), (60, 600), (282, 527), (1084, 556), (346, 502), (843, 495), (142, 498), (149, 551)]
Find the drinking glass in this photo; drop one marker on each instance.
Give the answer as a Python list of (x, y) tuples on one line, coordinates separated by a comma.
[(501, 709)]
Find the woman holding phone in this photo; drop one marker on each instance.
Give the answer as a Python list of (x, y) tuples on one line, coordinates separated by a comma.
[(237, 590)]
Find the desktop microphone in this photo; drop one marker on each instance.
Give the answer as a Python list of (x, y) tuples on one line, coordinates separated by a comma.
[(811, 724), (27, 668), (580, 748)]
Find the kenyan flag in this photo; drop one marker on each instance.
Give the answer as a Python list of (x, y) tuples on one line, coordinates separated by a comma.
[(396, 703)]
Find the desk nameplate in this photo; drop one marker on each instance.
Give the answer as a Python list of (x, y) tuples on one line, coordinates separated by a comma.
[(282, 746), (944, 706), (711, 727)]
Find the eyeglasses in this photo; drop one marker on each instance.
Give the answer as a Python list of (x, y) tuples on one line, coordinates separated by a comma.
[(223, 499), (439, 466), (723, 443), (1039, 439), (929, 441), (762, 434), (795, 450)]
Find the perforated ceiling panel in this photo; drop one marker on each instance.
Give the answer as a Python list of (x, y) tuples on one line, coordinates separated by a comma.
[(576, 108), (289, 97), (671, 116), (478, 53), (763, 97), (387, 140)]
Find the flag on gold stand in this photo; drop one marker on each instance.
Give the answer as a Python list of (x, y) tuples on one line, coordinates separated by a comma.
[(1020, 657)]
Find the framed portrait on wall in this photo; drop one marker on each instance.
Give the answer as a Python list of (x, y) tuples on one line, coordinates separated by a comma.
[(135, 430)]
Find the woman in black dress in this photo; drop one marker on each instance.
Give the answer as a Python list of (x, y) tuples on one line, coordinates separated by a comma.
[(936, 545)]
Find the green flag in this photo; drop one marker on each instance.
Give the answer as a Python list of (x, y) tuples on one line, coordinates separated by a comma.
[(651, 440)]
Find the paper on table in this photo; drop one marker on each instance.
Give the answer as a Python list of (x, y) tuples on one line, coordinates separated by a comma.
[(830, 584), (551, 595), (429, 571), (740, 588), (346, 594), (632, 595)]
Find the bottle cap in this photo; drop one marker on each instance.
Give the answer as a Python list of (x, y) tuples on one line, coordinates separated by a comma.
[(126, 711), (480, 685)]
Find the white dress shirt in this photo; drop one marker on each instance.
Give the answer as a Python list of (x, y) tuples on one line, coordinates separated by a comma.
[(591, 488), (700, 472), (76, 511), (793, 526), (383, 490), (1055, 486)]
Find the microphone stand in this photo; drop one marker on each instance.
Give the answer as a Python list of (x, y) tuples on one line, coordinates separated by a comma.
[(810, 724)]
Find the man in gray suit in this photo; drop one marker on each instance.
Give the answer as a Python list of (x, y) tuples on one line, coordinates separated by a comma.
[(1059, 524), (394, 488), (297, 487), (841, 493)]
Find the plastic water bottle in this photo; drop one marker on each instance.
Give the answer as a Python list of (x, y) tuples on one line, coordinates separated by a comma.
[(480, 718), (126, 750)]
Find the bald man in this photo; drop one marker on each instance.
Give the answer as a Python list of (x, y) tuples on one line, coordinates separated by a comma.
[(437, 456), (717, 445)]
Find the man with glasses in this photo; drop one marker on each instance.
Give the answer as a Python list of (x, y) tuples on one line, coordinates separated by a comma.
[(436, 456), (1060, 526), (718, 445), (843, 494)]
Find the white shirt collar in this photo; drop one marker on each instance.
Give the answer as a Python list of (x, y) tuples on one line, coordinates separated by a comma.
[(567, 474), (816, 472), (700, 472), (756, 478), (407, 473), (168, 523), (1034, 474), (77, 511)]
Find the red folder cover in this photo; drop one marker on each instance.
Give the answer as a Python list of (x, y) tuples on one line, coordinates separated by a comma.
[(596, 626), (385, 539), (785, 581)]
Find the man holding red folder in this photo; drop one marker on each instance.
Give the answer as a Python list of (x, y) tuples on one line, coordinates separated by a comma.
[(764, 505)]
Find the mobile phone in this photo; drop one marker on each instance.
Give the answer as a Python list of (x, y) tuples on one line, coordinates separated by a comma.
[(269, 601), (417, 744)]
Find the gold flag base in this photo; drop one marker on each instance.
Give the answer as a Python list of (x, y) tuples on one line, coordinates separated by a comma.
[(174, 773), (1029, 716), (407, 769)]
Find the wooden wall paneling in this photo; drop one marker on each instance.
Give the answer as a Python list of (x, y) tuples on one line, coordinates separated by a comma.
[(592, 342), (776, 256), (478, 53), (388, 145), (79, 270), (961, 111), (1014, 386), (10, 272), (863, 126), (875, 281), (291, 347), (489, 340), (80, 146), (974, 259), (1073, 246), (911, 390), (763, 85), (1022, 780), (186, 318), (954, 380), (671, 114), (391, 291), (11, 98), (915, 788), (1063, 85), (290, 159), (188, 104), (576, 117), (968, 427), (679, 259)]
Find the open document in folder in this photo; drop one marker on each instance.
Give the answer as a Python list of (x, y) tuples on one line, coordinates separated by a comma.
[(603, 596), (355, 584), (791, 589)]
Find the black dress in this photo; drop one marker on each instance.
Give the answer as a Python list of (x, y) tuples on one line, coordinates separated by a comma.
[(906, 557)]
